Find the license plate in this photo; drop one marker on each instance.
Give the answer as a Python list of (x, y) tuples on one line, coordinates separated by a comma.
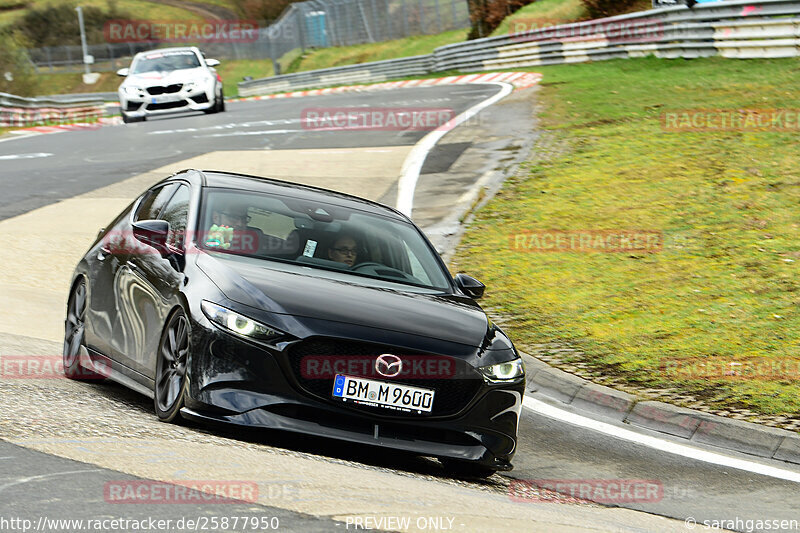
[(162, 99), (394, 396)]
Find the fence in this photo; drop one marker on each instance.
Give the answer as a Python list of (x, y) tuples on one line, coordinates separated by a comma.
[(302, 25), (16, 111), (735, 29)]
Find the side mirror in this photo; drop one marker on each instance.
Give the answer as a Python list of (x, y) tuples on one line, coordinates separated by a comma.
[(123, 72), (152, 232), (212, 62), (470, 286)]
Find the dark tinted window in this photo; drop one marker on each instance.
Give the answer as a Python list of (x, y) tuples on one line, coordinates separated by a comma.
[(154, 201), (318, 235), (175, 213)]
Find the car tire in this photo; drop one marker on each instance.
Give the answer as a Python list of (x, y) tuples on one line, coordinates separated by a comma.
[(171, 365), (217, 106), (466, 469), (74, 332)]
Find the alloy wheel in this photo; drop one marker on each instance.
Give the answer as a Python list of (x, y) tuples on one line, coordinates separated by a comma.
[(173, 355)]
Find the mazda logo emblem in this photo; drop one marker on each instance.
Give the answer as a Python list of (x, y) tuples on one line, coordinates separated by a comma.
[(388, 365)]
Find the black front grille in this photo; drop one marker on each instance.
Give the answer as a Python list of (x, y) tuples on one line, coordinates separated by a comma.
[(200, 98), (166, 105), (169, 89), (454, 390)]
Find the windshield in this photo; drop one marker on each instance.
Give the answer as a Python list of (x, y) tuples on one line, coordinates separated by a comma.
[(323, 236), (166, 61)]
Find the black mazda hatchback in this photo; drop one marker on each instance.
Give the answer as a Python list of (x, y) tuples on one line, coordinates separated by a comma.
[(251, 301)]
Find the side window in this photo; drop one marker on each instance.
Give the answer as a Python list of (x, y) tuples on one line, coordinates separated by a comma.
[(153, 202), (176, 212)]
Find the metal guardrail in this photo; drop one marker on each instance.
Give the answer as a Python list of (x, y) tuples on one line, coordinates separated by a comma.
[(362, 73), (16, 111), (76, 97), (734, 29)]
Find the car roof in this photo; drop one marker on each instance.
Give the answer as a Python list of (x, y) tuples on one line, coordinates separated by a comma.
[(246, 182)]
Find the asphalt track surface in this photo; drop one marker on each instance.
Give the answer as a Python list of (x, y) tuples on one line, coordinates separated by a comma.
[(82, 161), (549, 449)]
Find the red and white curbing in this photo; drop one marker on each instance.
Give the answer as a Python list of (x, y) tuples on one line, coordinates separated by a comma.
[(520, 80), (57, 128)]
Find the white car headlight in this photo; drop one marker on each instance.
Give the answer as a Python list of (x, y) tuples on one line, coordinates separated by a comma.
[(237, 323), (503, 372), (132, 90)]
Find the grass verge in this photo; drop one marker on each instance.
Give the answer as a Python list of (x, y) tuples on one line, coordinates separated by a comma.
[(138, 9), (544, 13), (714, 313), (364, 53), (232, 72)]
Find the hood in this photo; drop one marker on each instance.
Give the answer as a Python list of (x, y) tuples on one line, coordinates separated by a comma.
[(147, 79), (438, 316)]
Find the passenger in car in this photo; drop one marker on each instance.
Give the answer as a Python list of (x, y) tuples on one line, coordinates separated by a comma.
[(231, 215), (229, 229)]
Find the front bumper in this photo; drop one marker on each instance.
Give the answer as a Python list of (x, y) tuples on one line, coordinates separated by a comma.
[(144, 104), (232, 381)]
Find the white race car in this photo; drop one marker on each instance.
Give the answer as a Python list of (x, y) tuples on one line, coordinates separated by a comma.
[(169, 80)]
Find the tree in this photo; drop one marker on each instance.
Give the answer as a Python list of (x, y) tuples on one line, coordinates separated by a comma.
[(17, 74), (57, 24)]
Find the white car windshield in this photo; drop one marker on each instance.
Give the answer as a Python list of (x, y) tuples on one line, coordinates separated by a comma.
[(165, 62), (324, 236)]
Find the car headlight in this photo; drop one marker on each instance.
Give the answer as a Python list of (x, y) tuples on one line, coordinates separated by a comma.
[(503, 372), (237, 323), (132, 90)]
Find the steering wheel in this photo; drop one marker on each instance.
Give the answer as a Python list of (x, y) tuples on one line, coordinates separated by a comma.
[(367, 264), (373, 267)]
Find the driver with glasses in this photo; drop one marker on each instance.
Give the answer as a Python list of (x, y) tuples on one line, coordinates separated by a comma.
[(344, 250)]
